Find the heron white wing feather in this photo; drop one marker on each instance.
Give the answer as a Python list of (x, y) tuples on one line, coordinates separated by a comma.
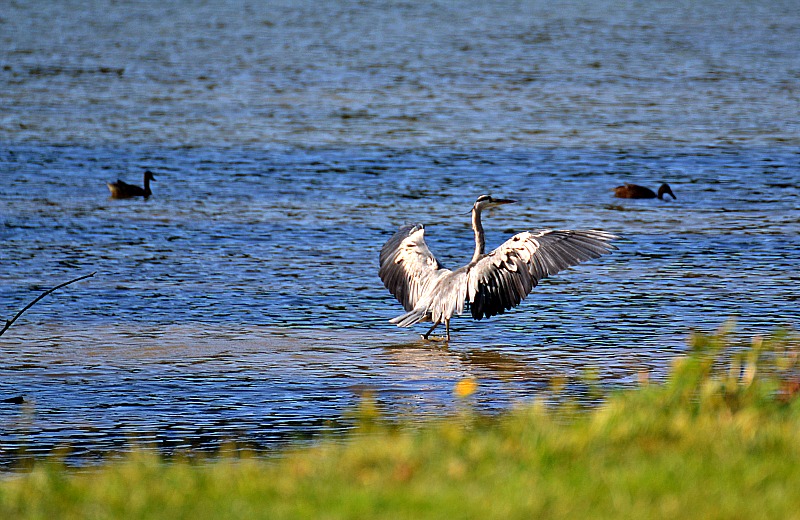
[(407, 266), (503, 278)]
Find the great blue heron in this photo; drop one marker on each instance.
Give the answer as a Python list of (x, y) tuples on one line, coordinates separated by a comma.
[(491, 283), (123, 190), (634, 191)]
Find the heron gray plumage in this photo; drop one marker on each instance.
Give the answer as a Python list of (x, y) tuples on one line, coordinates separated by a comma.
[(491, 283)]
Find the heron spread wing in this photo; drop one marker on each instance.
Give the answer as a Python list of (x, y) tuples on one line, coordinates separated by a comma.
[(407, 265), (500, 280)]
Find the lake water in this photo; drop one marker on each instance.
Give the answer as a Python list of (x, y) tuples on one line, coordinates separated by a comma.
[(290, 139)]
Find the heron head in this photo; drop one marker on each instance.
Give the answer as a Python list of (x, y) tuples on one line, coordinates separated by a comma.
[(487, 201)]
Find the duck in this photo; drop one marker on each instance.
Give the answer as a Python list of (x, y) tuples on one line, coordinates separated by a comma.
[(634, 191), (123, 190)]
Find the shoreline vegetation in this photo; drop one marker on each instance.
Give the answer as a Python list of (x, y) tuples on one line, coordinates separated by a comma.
[(719, 438)]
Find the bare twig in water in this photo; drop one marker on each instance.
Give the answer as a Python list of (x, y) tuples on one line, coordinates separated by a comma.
[(31, 304)]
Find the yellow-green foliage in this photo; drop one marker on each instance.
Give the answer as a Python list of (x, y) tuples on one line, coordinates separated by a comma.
[(719, 439)]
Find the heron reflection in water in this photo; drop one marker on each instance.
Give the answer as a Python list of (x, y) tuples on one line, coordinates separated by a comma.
[(491, 283)]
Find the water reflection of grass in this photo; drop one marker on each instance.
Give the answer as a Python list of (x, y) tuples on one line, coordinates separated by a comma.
[(717, 440)]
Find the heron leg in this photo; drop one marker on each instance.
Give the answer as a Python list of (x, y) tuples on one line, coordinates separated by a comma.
[(425, 336), (447, 328)]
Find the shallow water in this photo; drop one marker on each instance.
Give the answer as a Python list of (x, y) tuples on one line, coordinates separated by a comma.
[(241, 302)]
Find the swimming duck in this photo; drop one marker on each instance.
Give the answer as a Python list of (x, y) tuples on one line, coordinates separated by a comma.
[(634, 191), (123, 190)]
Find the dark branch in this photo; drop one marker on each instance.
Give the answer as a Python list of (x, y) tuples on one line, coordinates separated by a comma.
[(31, 304)]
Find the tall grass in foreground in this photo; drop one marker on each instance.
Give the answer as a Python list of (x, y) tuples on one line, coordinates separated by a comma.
[(719, 439)]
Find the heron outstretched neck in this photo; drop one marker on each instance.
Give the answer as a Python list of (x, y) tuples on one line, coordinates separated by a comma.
[(480, 236), (491, 283)]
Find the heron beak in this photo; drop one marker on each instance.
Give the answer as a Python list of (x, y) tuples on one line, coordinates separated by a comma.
[(503, 201)]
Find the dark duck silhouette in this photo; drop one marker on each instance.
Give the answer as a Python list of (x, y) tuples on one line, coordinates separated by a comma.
[(123, 190), (634, 191)]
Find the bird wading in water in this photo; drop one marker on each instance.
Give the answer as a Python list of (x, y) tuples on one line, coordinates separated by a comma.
[(491, 283)]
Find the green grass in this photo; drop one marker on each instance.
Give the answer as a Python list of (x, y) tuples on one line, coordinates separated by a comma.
[(719, 439)]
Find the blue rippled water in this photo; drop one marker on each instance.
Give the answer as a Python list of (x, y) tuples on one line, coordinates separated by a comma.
[(289, 140)]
